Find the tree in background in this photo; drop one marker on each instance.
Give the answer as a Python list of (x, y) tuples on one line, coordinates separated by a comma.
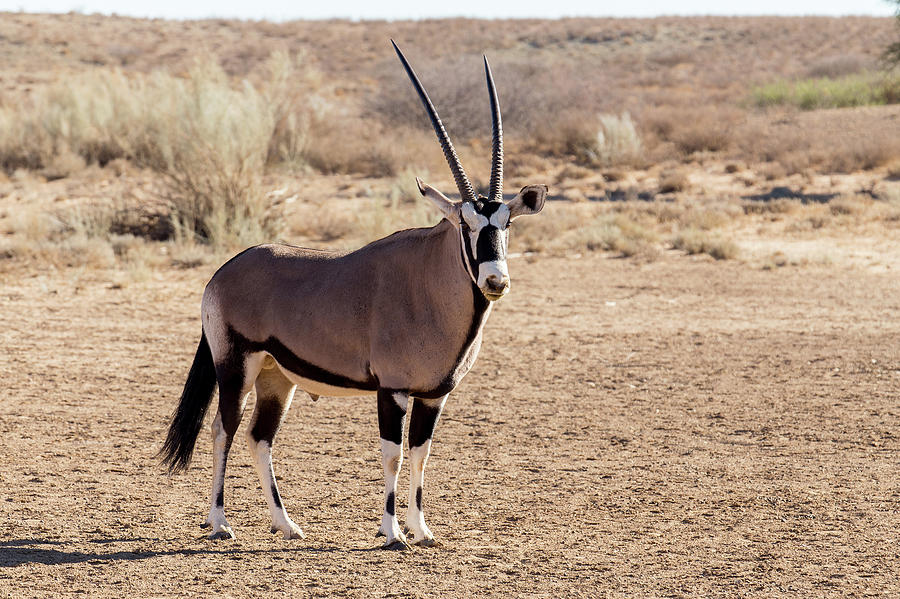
[(892, 54)]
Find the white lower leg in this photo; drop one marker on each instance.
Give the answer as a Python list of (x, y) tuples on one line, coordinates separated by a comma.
[(262, 459), (415, 515), (216, 518), (392, 459)]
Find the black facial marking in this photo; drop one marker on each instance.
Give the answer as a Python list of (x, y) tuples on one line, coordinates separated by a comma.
[(389, 504), (275, 496), (489, 247), (489, 209), (289, 360), (419, 498), (390, 417), (422, 422), (489, 244), (468, 254)]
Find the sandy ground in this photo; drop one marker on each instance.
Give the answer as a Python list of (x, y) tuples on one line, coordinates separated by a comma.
[(681, 428)]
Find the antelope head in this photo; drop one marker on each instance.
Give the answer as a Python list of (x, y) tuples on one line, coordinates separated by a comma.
[(483, 222)]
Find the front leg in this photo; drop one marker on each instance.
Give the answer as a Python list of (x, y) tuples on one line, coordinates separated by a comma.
[(422, 420), (391, 411)]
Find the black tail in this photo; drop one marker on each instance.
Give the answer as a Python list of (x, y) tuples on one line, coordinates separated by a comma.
[(188, 418)]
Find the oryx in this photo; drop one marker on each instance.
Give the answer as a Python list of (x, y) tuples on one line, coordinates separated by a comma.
[(400, 318)]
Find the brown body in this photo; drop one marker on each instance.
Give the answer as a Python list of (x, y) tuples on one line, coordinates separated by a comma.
[(400, 313)]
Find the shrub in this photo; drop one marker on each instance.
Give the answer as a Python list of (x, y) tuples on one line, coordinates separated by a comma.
[(838, 65), (210, 139), (211, 142), (604, 140), (695, 241), (862, 89), (672, 181), (618, 141), (691, 129)]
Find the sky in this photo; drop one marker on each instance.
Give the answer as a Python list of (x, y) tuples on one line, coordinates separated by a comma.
[(418, 9)]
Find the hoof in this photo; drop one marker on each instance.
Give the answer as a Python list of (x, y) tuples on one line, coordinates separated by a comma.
[(293, 532), (224, 533), (397, 545), (427, 543)]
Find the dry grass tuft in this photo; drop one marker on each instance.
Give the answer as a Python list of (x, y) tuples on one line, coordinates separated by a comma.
[(673, 181), (695, 241), (579, 227), (690, 130), (210, 139), (777, 206), (850, 205), (617, 141)]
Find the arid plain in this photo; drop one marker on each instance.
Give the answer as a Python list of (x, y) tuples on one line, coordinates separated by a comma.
[(691, 390)]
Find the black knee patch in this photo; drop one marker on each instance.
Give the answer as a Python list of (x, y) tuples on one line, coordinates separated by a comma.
[(390, 417), (389, 504), (419, 498), (422, 422), (269, 412), (230, 374), (275, 496)]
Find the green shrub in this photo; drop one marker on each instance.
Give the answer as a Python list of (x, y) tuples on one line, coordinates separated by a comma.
[(862, 89)]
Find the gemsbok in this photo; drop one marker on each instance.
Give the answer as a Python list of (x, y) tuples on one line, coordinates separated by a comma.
[(401, 318)]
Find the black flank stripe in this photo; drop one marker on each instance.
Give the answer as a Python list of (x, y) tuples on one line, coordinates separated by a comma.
[(288, 359)]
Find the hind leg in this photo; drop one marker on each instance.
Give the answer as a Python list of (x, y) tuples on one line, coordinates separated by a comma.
[(235, 381), (274, 393)]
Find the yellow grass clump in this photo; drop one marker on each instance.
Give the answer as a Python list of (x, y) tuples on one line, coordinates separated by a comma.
[(210, 138)]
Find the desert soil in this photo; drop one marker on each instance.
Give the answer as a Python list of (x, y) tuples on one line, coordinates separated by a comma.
[(680, 428)]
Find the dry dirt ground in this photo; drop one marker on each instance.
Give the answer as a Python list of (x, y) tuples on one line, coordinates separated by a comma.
[(682, 428)]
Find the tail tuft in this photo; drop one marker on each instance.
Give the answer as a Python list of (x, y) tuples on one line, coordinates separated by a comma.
[(188, 417)]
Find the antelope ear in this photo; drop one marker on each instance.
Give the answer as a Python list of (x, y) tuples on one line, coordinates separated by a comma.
[(529, 201), (448, 207)]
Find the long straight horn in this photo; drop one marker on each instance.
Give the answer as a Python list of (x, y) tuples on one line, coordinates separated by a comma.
[(496, 192), (466, 192)]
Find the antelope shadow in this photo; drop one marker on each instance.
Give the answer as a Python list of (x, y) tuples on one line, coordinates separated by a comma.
[(17, 552)]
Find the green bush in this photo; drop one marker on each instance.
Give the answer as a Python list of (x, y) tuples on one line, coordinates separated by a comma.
[(864, 89)]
